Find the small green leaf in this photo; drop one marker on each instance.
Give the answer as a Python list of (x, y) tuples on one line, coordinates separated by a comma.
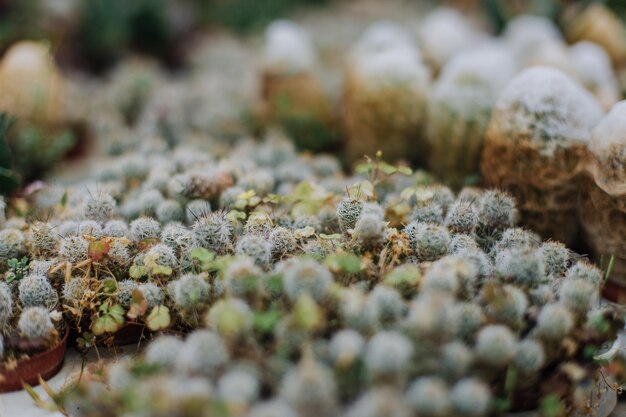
[(551, 406), (159, 318), (109, 286), (108, 323), (265, 321), (344, 262), (161, 270), (63, 201), (137, 271), (405, 170), (202, 254)]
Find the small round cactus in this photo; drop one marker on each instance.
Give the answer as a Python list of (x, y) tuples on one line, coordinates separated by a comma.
[(530, 357), (554, 322), (152, 293), (204, 353), (523, 266), (35, 290), (384, 305), (35, 323), (162, 255), (176, 236), (462, 242), (456, 360), (115, 228), (74, 249), (99, 207), (169, 211), (470, 318), (90, 228), (506, 305), (309, 388), (242, 277), (164, 351), (257, 247), (388, 354), (428, 241), (346, 346), (11, 243), (430, 397), (306, 276), (144, 228), (283, 242), (453, 274), (238, 388), (495, 345), (461, 217), (190, 290), (125, 290), (556, 257), (348, 212), (496, 210), (578, 294), (586, 271), (43, 238), (428, 213), (230, 317), (471, 397), (74, 290), (273, 408), (369, 230), (212, 231), (196, 209), (6, 304)]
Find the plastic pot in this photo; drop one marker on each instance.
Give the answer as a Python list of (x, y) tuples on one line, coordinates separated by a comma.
[(45, 364)]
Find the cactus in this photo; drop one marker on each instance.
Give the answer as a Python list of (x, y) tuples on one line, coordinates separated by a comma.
[(35, 323)]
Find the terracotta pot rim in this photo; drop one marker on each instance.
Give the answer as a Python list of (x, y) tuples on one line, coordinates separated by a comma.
[(53, 356)]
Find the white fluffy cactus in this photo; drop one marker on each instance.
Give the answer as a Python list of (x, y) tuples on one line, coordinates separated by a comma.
[(594, 69), (212, 231), (73, 249), (306, 276), (6, 305), (115, 228), (99, 207), (602, 199), (256, 247), (144, 228), (204, 353), (11, 243), (388, 354), (238, 388), (125, 290), (35, 290), (555, 322), (348, 212), (526, 33), (345, 347), (429, 397), (523, 266), (190, 290), (169, 211), (242, 277), (152, 294), (35, 323), (529, 357), (459, 109), (496, 346), (198, 208), (541, 124), (42, 238), (385, 96), (556, 258), (283, 242), (309, 388), (429, 241), (164, 351), (443, 33), (230, 318), (471, 398)]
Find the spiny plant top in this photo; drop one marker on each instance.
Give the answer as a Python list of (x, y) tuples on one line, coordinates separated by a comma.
[(339, 301)]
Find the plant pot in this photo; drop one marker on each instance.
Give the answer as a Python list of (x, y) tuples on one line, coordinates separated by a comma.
[(44, 364), (602, 402)]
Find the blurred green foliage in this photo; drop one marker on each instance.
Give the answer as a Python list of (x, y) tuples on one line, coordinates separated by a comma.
[(248, 15)]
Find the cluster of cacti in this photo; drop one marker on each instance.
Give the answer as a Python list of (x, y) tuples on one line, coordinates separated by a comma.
[(419, 317), (268, 282)]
